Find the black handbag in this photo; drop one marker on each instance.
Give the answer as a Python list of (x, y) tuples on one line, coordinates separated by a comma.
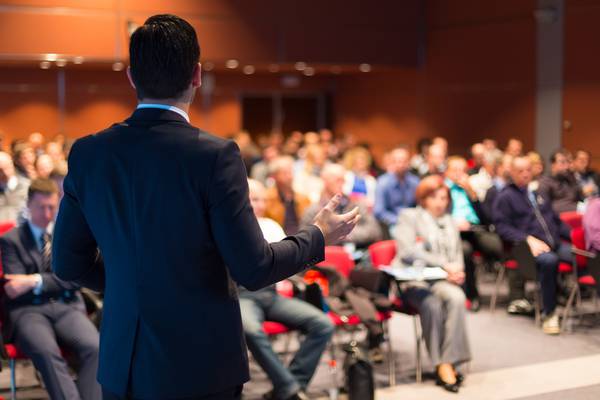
[(360, 383)]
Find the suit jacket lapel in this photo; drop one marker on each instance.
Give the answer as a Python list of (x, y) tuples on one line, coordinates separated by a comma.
[(30, 246)]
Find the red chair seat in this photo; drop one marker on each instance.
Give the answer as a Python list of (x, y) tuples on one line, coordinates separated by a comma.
[(587, 280), (274, 328), (511, 264), (337, 320), (383, 315), (565, 268), (13, 352)]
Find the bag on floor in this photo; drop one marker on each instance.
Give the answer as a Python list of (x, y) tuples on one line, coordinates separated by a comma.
[(360, 382)]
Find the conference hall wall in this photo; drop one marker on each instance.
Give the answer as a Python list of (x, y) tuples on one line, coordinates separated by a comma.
[(473, 76)]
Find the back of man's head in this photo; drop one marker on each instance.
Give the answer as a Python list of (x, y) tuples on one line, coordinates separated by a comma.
[(163, 54)]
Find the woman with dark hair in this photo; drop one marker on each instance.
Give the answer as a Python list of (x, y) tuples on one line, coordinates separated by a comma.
[(427, 236)]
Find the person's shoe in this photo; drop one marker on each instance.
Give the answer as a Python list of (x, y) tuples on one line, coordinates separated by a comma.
[(551, 325), (520, 307), (451, 387), (473, 305), (460, 378)]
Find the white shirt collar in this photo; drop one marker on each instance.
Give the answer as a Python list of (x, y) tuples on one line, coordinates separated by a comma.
[(165, 107)]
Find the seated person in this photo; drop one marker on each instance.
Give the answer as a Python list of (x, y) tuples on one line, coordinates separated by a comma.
[(477, 162), (470, 220), (560, 187), (265, 304), (484, 177), (521, 215), (42, 310), (429, 234), (359, 183), (367, 231), (517, 302), (13, 190), (395, 189), (435, 162), (587, 179), (591, 225), (284, 205)]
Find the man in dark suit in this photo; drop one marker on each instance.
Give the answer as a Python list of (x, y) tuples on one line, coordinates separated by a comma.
[(167, 206), (43, 309)]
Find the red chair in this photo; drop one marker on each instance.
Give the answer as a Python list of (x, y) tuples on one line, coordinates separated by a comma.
[(382, 253), (572, 218), (338, 257), (6, 226)]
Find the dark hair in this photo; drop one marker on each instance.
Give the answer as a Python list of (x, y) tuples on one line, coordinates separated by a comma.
[(163, 54), (422, 143), (44, 187), (562, 152)]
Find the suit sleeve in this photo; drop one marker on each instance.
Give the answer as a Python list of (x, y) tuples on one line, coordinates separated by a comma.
[(252, 262), (11, 264), (75, 254)]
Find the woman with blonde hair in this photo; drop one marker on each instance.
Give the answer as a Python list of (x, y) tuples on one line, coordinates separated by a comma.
[(359, 183)]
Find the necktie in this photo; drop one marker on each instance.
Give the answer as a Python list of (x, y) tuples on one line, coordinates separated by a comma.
[(46, 252)]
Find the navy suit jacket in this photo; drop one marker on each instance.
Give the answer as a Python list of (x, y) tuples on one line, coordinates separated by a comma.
[(21, 255), (168, 207)]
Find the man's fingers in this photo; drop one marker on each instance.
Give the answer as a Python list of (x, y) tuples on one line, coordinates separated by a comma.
[(349, 216), (333, 203)]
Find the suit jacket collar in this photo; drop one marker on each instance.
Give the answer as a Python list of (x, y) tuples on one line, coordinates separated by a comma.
[(150, 115), (29, 244)]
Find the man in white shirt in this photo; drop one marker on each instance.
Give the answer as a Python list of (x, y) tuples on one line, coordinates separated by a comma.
[(266, 304)]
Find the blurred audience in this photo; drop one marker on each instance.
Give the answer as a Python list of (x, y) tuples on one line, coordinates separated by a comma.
[(367, 231), (418, 161), (587, 179), (260, 170), (476, 162), (307, 179), (24, 159), (13, 190), (514, 147), (591, 225), (284, 205), (469, 218), (289, 383), (428, 235), (359, 183), (522, 216), (395, 189), (561, 187)]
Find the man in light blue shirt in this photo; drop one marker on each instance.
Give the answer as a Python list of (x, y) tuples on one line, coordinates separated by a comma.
[(395, 189)]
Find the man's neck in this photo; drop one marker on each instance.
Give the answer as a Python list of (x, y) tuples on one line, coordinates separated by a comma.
[(181, 104)]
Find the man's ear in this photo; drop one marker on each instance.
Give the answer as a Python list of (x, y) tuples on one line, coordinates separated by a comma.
[(197, 76), (130, 78)]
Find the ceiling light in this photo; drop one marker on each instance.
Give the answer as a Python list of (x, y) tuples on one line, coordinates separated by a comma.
[(118, 66), (45, 65), (364, 67), (61, 62), (273, 68), (232, 64), (249, 69), (78, 60), (300, 66), (51, 57), (208, 66)]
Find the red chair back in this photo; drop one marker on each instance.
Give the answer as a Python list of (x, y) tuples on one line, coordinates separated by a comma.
[(337, 257), (572, 218), (382, 253), (6, 226), (578, 241)]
